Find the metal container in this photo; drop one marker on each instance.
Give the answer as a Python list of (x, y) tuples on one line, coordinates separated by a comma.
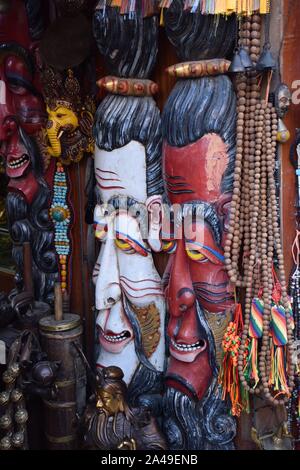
[(57, 340)]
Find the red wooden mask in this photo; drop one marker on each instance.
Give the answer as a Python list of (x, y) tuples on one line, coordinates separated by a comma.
[(198, 162), (22, 111)]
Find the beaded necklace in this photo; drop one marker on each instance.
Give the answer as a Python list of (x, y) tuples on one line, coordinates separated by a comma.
[(61, 216)]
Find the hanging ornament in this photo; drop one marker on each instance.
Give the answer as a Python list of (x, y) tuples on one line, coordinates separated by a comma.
[(60, 214), (283, 134), (229, 376)]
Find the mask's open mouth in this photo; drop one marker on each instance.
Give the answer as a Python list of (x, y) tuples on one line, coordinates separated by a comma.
[(183, 347), (15, 167), (116, 338), (114, 342)]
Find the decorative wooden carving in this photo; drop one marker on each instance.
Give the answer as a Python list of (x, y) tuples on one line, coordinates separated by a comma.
[(22, 116), (198, 160), (127, 131)]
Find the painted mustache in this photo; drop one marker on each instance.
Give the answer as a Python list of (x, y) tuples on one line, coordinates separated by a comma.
[(214, 293), (139, 289)]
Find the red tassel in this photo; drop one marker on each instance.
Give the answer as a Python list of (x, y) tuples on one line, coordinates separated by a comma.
[(228, 376)]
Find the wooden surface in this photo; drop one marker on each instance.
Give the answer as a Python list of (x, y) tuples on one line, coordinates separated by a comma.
[(290, 67)]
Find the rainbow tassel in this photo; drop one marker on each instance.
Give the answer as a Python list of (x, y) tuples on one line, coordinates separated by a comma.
[(278, 375), (255, 332), (256, 318), (278, 325)]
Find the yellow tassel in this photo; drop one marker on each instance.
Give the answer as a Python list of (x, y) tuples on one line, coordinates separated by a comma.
[(244, 7), (220, 7), (264, 7), (230, 6)]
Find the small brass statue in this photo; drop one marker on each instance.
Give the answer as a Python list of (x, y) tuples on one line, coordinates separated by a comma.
[(110, 423)]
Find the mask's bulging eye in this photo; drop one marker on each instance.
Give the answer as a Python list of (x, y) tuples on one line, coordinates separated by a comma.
[(196, 255), (169, 246), (124, 245), (100, 230)]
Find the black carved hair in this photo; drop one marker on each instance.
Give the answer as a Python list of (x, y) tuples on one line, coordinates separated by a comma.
[(196, 36), (128, 44), (197, 425), (201, 106), (120, 119)]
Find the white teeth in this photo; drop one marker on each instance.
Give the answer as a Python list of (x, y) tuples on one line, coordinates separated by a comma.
[(187, 347), (18, 163), (115, 339)]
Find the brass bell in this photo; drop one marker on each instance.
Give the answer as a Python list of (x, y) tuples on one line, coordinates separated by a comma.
[(245, 59), (236, 65), (266, 60)]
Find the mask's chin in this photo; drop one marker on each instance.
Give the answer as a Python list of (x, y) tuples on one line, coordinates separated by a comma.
[(114, 342), (126, 359), (189, 369)]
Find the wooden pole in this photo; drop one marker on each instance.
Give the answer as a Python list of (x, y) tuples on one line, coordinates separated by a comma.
[(58, 302)]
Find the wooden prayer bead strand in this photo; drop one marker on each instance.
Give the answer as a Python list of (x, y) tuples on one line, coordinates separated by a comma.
[(255, 37), (270, 152), (245, 33), (266, 263), (261, 222), (245, 197), (270, 266), (230, 261), (247, 181), (237, 188), (252, 98), (241, 206), (254, 186), (278, 245)]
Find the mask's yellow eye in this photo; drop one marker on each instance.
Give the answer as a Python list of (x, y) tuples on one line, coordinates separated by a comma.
[(123, 245), (169, 246), (195, 255), (100, 231)]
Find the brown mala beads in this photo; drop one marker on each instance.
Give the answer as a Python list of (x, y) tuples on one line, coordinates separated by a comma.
[(253, 233)]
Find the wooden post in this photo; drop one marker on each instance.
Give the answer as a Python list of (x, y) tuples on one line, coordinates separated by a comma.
[(58, 301)]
